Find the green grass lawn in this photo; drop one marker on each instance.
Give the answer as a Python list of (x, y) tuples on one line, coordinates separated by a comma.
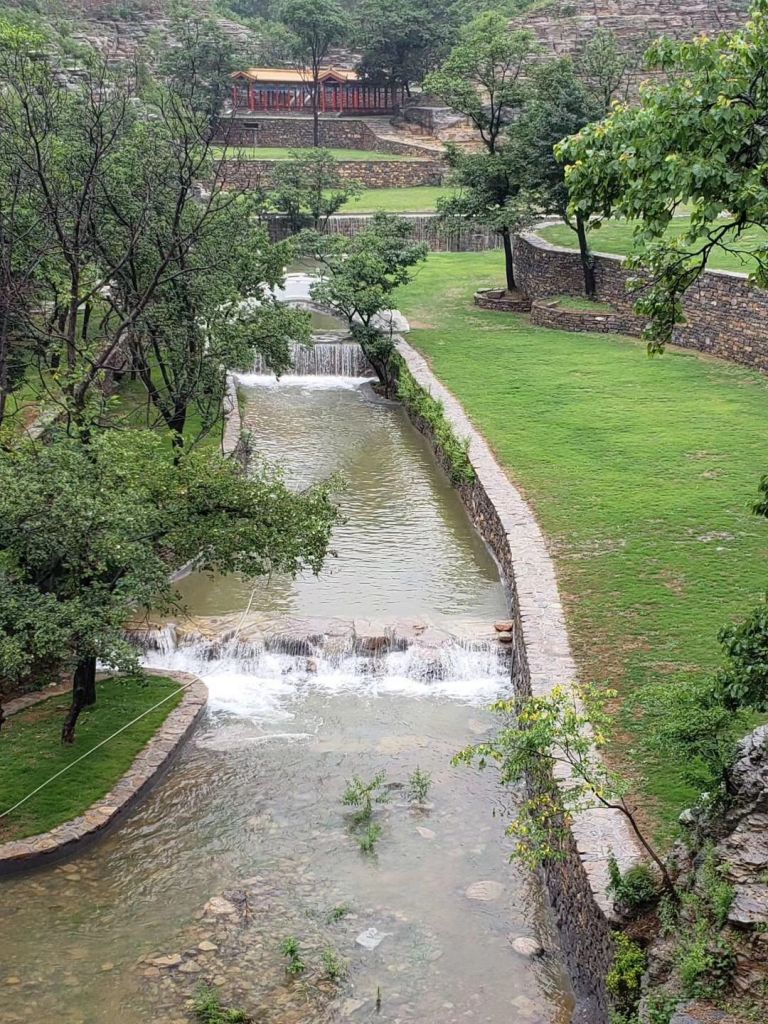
[(418, 199), (282, 153), (31, 752), (641, 472), (615, 236)]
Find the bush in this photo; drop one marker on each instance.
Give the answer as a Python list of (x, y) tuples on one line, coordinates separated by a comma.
[(208, 1009), (705, 964), (624, 978), (633, 890), (430, 410), (743, 683)]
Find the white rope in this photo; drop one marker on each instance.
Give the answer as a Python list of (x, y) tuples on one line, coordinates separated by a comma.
[(98, 745)]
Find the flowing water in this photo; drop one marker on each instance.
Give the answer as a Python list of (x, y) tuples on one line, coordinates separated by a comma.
[(251, 814)]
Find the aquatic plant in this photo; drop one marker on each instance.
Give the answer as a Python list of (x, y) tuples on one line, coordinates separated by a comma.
[(335, 967), (419, 785), (369, 838), (290, 947), (364, 795), (208, 1009)]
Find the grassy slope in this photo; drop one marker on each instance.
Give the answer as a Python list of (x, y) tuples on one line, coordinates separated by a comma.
[(615, 236), (283, 153), (419, 199), (31, 752), (641, 472)]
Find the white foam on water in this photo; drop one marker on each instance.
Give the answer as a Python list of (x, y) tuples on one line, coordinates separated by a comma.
[(266, 686), (295, 380)]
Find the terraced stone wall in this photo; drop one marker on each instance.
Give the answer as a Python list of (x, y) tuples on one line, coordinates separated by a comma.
[(369, 173), (725, 315)]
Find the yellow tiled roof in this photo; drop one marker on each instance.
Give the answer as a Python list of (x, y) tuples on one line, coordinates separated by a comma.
[(288, 76)]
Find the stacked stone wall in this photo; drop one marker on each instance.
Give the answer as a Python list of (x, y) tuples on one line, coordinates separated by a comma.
[(254, 174), (298, 133), (540, 659), (725, 315), (426, 227)]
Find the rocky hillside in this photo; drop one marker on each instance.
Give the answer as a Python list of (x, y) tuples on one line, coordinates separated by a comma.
[(564, 26)]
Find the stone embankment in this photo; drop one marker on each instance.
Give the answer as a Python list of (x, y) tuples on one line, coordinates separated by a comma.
[(256, 174), (541, 658), (725, 315), (146, 768)]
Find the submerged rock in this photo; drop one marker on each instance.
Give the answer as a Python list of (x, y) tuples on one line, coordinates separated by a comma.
[(484, 891), (527, 946), (371, 938)]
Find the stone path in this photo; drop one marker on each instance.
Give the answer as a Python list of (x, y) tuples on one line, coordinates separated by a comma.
[(521, 550)]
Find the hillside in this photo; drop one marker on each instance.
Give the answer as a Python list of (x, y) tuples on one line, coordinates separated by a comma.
[(566, 27)]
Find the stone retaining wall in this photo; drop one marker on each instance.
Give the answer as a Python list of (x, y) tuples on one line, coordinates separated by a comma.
[(426, 227), (725, 315), (145, 770), (298, 133), (541, 658), (253, 174), (502, 301), (550, 314)]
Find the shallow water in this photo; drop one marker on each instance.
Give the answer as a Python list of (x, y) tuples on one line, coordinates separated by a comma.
[(406, 549), (253, 805)]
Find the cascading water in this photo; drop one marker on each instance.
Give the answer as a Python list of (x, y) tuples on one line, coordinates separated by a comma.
[(324, 358)]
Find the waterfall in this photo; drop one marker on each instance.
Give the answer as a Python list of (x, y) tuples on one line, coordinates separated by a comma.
[(335, 358), (471, 670)]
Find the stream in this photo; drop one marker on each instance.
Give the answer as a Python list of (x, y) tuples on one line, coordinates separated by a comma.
[(246, 841)]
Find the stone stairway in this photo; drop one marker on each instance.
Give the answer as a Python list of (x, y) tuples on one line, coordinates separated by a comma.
[(406, 140)]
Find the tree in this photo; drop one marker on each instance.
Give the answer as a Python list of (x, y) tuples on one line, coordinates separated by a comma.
[(310, 185), (558, 105), (491, 192), (550, 732), (362, 274), (198, 63), (89, 534), (316, 25), (119, 259), (484, 75), (402, 41), (695, 138), (605, 68)]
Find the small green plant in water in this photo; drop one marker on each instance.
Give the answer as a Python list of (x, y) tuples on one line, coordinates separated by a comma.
[(338, 912), (290, 948), (369, 838), (364, 795), (208, 1009), (419, 785), (334, 966)]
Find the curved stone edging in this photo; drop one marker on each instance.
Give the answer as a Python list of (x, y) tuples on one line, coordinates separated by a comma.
[(146, 767), (500, 301), (541, 659), (548, 313), (725, 315)]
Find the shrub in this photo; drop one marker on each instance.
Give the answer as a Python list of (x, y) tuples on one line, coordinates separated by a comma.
[(335, 967), (369, 838), (705, 963), (634, 889), (419, 785), (208, 1009), (431, 411), (364, 795), (290, 948), (624, 977), (717, 891)]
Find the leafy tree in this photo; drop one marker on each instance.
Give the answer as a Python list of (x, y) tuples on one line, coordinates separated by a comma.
[(310, 185), (491, 191), (605, 68), (484, 75), (402, 41), (554, 733), (316, 25), (112, 256), (362, 275), (558, 105), (198, 63), (697, 137), (89, 535)]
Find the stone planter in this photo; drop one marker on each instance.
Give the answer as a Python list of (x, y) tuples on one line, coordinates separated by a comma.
[(502, 301), (549, 313)]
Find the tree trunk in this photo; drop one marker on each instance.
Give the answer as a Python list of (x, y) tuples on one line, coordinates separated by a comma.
[(83, 696), (508, 260), (587, 263), (315, 109)]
